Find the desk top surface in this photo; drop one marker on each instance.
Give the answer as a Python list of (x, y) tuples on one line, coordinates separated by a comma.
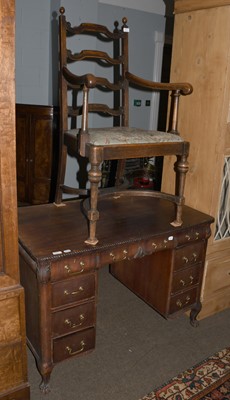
[(47, 229)]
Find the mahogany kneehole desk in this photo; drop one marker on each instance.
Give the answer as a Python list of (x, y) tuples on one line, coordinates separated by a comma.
[(160, 263)]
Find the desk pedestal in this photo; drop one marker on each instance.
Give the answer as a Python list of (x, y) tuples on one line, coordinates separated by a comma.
[(169, 281), (160, 263)]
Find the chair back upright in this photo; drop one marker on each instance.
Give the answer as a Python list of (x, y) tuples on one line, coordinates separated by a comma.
[(109, 83)]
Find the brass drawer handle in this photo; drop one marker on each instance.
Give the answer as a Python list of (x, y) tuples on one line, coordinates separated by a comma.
[(180, 304), (197, 235), (194, 256), (187, 237), (113, 256), (72, 325), (185, 259), (183, 283), (125, 252), (68, 269), (73, 353), (80, 289)]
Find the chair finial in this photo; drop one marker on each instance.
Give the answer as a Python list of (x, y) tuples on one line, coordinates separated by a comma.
[(116, 23), (125, 27), (62, 10)]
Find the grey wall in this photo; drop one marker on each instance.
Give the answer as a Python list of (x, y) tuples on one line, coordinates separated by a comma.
[(142, 26), (32, 51), (37, 41), (36, 45), (37, 51)]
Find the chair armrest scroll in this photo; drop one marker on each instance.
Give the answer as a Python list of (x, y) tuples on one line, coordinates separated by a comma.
[(184, 88), (88, 80)]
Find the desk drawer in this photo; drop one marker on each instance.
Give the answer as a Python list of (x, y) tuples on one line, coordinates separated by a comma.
[(186, 278), (194, 234), (73, 319), (73, 290), (188, 255), (73, 345), (182, 300), (68, 267)]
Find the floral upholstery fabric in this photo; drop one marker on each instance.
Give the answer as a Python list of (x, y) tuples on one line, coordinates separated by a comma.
[(121, 135)]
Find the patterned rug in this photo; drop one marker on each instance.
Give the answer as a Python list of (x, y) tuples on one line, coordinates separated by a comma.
[(207, 380)]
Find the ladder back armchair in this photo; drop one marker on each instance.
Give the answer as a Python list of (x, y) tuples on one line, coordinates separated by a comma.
[(120, 141)]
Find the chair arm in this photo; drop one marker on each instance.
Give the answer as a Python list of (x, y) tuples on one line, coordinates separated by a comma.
[(184, 88), (88, 80)]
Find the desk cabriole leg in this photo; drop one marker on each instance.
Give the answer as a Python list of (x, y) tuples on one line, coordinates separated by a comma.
[(44, 385), (193, 314)]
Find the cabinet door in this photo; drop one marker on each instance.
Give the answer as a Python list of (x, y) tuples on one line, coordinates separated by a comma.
[(22, 154), (40, 157), (36, 132)]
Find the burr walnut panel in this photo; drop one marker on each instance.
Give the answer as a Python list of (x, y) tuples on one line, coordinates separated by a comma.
[(10, 328), (13, 365), (12, 337)]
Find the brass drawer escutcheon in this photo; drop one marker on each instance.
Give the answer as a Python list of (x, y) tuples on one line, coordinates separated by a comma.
[(80, 289), (73, 353), (72, 324)]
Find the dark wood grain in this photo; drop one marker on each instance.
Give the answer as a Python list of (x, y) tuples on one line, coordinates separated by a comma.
[(161, 264), (45, 229)]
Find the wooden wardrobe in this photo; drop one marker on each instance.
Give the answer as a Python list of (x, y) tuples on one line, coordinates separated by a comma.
[(201, 56), (13, 362)]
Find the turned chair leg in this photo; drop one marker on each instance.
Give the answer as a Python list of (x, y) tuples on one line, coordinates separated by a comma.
[(95, 176), (181, 169)]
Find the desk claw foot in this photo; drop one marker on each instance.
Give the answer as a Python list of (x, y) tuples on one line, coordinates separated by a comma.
[(193, 314), (44, 385)]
